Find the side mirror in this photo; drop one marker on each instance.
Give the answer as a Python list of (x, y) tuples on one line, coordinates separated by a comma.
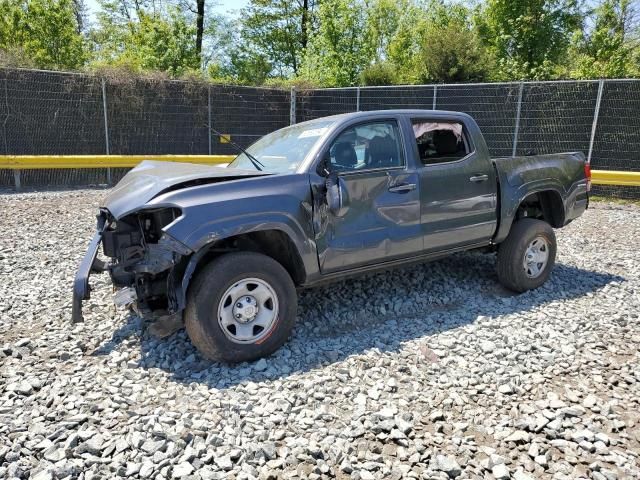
[(337, 195), (324, 167)]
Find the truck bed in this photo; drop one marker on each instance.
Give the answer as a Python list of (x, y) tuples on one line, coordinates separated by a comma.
[(521, 176)]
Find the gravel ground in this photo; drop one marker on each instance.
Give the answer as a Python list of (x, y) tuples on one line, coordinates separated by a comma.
[(426, 372)]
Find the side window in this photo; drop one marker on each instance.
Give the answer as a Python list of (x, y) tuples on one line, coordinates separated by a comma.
[(440, 142), (367, 146)]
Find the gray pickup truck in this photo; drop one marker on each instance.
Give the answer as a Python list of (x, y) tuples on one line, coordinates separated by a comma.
[(224, 249)]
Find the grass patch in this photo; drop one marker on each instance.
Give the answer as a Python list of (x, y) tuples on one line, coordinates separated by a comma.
[(619, 201)]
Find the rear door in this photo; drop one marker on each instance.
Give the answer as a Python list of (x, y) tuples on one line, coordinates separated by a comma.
[(381, 221), (457, 185)]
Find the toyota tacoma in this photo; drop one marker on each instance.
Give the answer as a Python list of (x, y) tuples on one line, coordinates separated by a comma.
[(223, 250)]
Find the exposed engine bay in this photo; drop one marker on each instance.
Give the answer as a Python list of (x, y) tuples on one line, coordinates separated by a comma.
[(145, 259)]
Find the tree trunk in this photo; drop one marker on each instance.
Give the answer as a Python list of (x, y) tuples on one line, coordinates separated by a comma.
[(199, 26), (79, 10), (305, 20)]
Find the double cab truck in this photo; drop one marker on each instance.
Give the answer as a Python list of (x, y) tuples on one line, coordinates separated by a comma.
[(224, 250)]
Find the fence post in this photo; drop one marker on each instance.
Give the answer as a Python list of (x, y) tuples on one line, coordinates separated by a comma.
[(435, 96), (292, 107), (516, 129), (357, 99), (594, 125), (106, 127), (16, 179), (209, 116)]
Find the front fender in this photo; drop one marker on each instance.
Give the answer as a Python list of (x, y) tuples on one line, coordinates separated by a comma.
[(211, 233), (214, 212), (217, 230), (218, 211)]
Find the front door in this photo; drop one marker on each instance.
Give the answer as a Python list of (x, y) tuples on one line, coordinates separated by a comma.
[(381, 217)]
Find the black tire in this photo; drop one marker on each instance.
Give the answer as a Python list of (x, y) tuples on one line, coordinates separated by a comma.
[(511, 255), (205, 294)]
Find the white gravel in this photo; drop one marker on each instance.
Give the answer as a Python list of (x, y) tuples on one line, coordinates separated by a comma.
[(426, 372)]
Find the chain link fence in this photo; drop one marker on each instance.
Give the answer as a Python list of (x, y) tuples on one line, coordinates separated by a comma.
[(56, 113), (599, 117), (51, 113)]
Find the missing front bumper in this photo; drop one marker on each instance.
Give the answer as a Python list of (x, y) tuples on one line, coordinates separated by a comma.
[(149, 276)]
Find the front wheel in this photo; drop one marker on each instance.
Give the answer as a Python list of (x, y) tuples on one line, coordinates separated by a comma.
[(527, 256), (241, 306)]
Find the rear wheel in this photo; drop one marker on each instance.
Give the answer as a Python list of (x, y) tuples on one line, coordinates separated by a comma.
[(527, 256), (241, 307)]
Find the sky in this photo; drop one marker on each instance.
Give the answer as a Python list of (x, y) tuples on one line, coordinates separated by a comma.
[(225, 6), (228, 7)]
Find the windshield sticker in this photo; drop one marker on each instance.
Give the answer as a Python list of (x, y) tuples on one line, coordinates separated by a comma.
[(315, 132)]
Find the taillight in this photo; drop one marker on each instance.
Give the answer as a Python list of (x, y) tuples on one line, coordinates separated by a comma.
[(587, 173)]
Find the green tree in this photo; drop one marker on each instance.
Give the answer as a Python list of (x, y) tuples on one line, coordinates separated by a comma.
[(196, 11), (607, 50), (166, 44), (234, 61), (437, 42), (278, 31), (81, 13), (144, 40), (384, 18), (453, 53), (403, 50), (338, 51), (44, 31), (380, 73), (529, 38), (241, 66)]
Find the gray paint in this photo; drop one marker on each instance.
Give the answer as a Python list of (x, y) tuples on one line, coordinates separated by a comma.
[(150, 178), (376, 228)]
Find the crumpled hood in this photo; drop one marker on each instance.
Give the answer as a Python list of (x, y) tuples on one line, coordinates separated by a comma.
[(150, 178)]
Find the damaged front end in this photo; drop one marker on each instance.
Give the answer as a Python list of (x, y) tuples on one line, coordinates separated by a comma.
[(146, 264)]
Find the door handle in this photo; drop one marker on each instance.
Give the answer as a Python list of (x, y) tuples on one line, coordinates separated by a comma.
[(405, 187), (479, 178)]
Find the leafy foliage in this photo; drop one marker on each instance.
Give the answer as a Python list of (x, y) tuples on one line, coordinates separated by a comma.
[(440, 46), (330, 42), (338, 51), (528, 37), (383, 73), (608, 50), (278, 30), (41, 32), (453, 53), (143, 40)]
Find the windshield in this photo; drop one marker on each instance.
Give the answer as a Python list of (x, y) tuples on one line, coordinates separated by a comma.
[(284, 150)]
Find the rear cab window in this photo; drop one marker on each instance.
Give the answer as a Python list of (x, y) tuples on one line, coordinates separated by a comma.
[(440, 141)]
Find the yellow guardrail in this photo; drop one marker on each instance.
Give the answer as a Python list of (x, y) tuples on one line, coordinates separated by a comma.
[(611, 177), (29, 162)]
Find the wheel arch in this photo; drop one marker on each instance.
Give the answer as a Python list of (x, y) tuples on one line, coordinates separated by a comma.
[(273, 242), (546, 204)]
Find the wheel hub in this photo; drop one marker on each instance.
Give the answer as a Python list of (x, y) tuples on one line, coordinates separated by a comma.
[(248, 310), (245, 309), (536, 257)]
